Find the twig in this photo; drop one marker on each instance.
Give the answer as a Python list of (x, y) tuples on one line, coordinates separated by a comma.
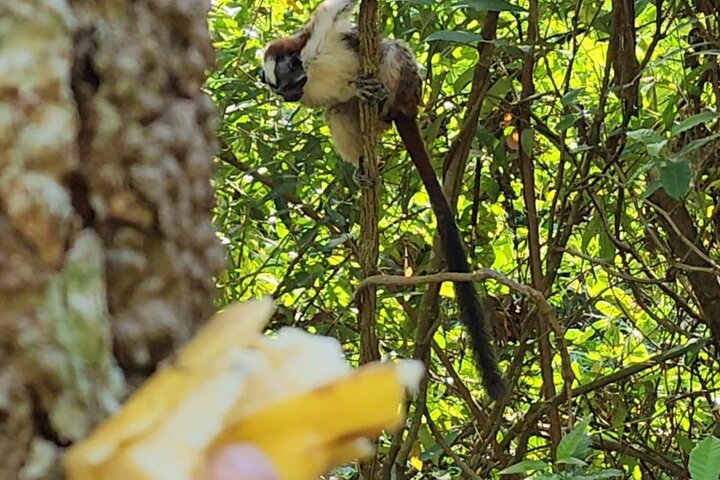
[(469, 472), (681, 236), (651, 457), (536, 410)]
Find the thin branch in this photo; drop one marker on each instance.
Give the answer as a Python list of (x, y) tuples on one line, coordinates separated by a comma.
[(545, 309), (482, 274), (536, 411), (469, 472), (681, 236), (651, 457)]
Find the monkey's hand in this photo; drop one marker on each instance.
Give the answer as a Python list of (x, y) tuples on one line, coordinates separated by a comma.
[(371, 90)]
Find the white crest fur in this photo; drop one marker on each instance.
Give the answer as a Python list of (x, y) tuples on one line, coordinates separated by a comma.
[(330, 66), (331, 17)]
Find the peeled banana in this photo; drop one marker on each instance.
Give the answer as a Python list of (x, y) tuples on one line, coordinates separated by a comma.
[(294, 397)]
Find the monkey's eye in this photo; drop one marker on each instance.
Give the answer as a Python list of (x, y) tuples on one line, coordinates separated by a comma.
[(295, 62)]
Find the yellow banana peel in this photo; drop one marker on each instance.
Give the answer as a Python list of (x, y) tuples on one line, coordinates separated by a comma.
[(294, 397)]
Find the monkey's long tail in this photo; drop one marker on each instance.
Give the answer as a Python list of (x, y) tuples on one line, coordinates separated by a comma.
[(471, 310)]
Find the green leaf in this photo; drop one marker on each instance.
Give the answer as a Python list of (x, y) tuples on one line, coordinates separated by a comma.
[(450, 36), (491, 5), (571, 461), (337, 240), (524, 467), (571, 97), (463, 80), (654, 149), (609, 473), (693, 353), (691, 147), (432, 130), (266, 153), (575, 443), (620, 413), (495, 94), (685, 443), (484, 137), (640, 5), (669, 112), (281, 205), (491, 187), (527, 141), (645, 136), (504, 47), (607, 247), (675, 179), (651, 188), (433, 450), (694, 120), (593, 228), (705, 459), (568, 121)]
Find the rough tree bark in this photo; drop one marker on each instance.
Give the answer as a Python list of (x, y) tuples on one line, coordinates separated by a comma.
[(107, 252)]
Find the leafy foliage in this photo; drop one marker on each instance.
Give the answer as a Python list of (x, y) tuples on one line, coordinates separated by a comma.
[(705, 459), (573, 448), (625, 189)]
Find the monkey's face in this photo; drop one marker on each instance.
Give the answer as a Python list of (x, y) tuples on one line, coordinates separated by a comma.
[(285, 76)]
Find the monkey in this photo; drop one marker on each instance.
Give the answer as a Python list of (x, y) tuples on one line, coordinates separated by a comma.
[(318, 66)]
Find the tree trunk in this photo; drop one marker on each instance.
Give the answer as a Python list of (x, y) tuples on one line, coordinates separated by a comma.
[(107, 251)]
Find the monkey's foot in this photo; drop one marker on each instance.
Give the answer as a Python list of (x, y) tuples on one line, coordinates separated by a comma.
[(371, 90), (361, 178)]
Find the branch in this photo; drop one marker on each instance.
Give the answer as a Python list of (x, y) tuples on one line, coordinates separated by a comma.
[(369, 238), (369, 243), (534, 295), (547, 314)]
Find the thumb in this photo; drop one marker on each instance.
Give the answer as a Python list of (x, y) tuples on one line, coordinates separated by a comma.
[(241, 461)]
